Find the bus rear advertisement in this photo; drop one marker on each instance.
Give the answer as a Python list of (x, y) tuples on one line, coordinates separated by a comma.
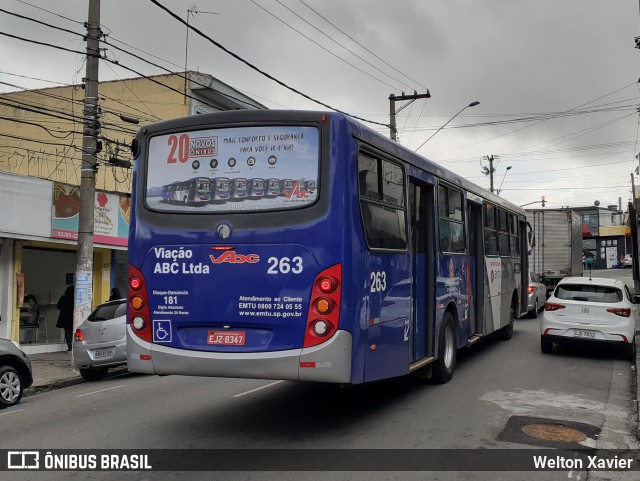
[(373, 263)]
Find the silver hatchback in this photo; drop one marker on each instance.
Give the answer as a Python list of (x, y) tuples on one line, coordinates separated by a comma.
[(100, 341)]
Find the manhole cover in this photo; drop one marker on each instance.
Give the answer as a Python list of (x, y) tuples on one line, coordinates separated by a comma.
[(554, 432)]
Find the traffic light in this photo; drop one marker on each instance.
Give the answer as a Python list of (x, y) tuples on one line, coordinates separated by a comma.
[(543, 201)]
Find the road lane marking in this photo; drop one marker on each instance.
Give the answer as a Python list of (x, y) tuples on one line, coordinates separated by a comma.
[(257, 389), (12, 411), (101, 390)]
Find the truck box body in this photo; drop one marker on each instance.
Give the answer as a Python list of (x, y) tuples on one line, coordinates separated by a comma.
[(557, 252)]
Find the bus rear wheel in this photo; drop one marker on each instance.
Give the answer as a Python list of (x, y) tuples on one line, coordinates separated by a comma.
[(444, 366)]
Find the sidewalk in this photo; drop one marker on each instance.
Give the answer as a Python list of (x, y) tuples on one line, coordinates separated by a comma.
[(52, 370)]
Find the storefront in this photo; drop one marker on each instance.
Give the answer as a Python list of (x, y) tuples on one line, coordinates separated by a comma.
[(38, 255)]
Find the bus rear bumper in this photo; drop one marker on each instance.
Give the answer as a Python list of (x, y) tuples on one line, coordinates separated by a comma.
[(328, 362)]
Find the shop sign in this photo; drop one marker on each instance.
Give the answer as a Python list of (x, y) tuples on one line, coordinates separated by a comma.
[(615, 230), (110, 215)]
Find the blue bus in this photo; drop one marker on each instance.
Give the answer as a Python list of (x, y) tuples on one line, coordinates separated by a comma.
[(191, 191), (220, 188), (388, 266)]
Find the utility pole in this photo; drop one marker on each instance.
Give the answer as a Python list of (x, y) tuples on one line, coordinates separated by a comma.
[(489, 171), (84, 269), (393, 131)]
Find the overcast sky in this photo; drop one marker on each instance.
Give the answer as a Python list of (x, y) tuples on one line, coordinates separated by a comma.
[(571, 62)]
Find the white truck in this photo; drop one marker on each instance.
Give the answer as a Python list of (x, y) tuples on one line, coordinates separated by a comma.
[(557, 248)]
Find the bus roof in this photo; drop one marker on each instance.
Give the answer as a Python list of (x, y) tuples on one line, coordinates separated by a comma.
[(359, 130)]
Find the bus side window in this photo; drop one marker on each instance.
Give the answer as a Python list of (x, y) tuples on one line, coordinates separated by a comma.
[(451, 222), (382, 203)]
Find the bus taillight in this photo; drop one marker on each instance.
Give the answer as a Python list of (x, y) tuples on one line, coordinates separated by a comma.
[(135, 283), (139, 315), (324, 309)]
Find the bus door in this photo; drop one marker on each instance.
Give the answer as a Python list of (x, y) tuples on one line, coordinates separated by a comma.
[(476, 252), (423, 249)]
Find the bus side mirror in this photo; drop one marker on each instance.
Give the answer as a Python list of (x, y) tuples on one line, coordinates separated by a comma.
[(636, 299)]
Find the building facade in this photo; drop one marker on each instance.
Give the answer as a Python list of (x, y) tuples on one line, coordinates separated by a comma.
[(606, 235), (40, 157)]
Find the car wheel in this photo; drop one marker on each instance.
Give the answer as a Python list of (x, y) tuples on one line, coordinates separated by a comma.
[(10, 387), (629, 352), (533, 314), (546, 345), (447, 351), (94, 374)]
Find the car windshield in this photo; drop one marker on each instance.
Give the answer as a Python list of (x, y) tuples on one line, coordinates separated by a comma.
[(105, 312), (588, 293)]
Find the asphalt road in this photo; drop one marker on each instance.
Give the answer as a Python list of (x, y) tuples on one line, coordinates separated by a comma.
[(499, 388), (497, 385)]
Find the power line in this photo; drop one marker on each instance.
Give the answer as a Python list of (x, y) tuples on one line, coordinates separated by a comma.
[(134, 94), (69, 132), (41, 22), (177, 75), (181, 67), (253, 67), (37, 109), (31, 78), (52, 13), (337, 43), (527, 126), (38, 141), (106, 60), (358, 43)]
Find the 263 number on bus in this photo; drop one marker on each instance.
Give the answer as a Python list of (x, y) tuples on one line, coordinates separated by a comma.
[(284, 265), (378, 281)]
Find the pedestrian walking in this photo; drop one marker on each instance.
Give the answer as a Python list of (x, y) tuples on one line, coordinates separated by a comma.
[(115, 294), (65, 319)]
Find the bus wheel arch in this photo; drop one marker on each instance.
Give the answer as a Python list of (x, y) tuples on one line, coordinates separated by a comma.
[(445, 364)]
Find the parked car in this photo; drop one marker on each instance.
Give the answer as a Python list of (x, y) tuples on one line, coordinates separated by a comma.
[(100, 341), (627, 261), (592, 311), (537, 295), (15, 373)]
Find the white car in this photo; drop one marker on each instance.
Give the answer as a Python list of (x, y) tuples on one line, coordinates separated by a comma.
[(590, 310)]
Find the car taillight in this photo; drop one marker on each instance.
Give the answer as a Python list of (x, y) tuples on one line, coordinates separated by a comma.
[(532, 289), (324, 309), (139, 314), (550, 306), (78, 336), (620, 311)]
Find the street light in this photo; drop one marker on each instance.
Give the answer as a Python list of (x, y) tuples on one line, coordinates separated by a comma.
[(472, 104), (503, 177)]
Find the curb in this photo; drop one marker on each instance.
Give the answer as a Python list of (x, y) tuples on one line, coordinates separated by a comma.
[(62, 383), (52, 386)]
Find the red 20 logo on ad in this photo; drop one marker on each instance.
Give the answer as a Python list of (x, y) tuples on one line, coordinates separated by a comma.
[(185, 147)]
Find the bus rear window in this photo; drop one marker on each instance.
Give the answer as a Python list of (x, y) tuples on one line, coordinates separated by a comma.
[(243, 169)]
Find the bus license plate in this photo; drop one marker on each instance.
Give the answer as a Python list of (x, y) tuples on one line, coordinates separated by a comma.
[(227, 338), (583, 333), (104, 353)]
